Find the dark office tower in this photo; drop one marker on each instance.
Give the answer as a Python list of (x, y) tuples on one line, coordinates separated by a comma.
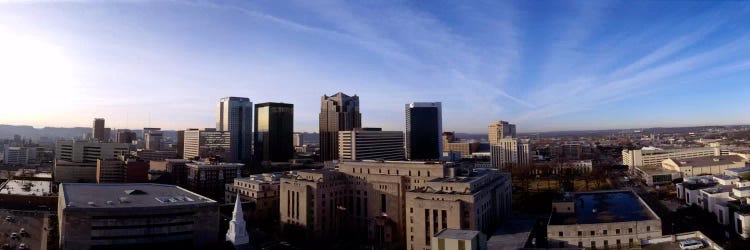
[(424, 128), (274, 128), (338, 112), (235, 114), (180, 143), (125, 136), (98, 130)]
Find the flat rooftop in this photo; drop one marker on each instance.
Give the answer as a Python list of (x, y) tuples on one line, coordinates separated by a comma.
[(739, 170), (604, 207), (706, 161), (125, 195), (27, 187), (457, 234)]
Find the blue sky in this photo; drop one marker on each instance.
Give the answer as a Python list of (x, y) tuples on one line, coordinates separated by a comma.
[(544, 65)]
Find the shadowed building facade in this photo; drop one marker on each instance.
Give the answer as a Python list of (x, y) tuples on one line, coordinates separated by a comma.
[(424, 129), (338, 112), (274, 129), (235, 115)]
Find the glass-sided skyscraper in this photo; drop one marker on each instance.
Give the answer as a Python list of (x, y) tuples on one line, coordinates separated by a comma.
[(424, 128), (338, 112), (235, 114), (274, 129)]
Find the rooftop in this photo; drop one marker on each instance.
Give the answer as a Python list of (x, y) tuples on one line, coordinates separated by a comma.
[(127, 195), (709, 161), (739, 170), (604, 207), (457, 234), (725, 177), (26, 187)]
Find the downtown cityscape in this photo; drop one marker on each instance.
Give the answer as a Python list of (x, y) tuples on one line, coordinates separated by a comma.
[(448, 125)]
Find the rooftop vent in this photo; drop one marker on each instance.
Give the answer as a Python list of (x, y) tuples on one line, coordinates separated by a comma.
[(134, 192), (91, 203), (110, 203), (716, 159), (124, 199)]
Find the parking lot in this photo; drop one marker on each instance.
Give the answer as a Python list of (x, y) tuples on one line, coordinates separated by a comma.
[(11, 223)]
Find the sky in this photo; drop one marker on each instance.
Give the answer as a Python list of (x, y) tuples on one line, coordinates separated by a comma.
[(543, 65)]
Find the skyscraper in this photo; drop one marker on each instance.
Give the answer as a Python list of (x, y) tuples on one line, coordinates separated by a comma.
[(152, 137), (97, 130), (206, 143), (235, 114), (424, 128), (274, 126), (337, 112), (125, 136), (498, 130)]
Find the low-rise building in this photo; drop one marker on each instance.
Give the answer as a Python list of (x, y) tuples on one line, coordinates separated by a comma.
[(656, 175), (156, 155), (713, 165), (454, 239), (655, 156), (135, 216), (604, 219), (260, 189), (122, 170), (209, 179)]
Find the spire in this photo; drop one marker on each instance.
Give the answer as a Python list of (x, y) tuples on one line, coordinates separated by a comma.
[(237, 234)]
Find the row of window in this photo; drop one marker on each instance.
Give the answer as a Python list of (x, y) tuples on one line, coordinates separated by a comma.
[(604, 232)]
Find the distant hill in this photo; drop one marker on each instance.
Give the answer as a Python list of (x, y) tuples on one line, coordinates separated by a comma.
[(8, 131)]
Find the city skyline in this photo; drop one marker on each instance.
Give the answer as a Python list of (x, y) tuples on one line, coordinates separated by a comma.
[(545, 67)]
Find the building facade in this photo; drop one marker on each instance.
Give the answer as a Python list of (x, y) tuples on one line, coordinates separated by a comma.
[(371, 144), (338, 112), (498, 130), (655, 156), (706, 165), (152, 137), (235, 116), (424, 129), (274, 127), (207, 143), (121, 170), (97, 130), (125, 136), (260, 189), (210, 179), (299, 139), (75, 161), (127, 216)]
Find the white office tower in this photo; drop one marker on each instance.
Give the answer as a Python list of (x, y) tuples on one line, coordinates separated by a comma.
[(237, 234)]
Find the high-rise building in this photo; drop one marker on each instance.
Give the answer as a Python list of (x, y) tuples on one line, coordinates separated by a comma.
[(75, 161), (371, 144), (97, 130), (210, 179), (235, 115), (338, 112), (121, 170), (504, 154), (152, 137), (180, 143), (524, 153), (18, 155), (299, 140), (498, 130), (274, 127), (125, 136), (122, 216), (424, 128), (206, 143)]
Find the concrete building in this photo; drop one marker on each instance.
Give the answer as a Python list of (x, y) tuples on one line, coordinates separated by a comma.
[(505, 153), (260, 189), (152, 137), (655, 156), (498, 130), (274, 126), (653, 175), (75, 161), (156, 155), (97, 130), (591, 220), (451, 143), (126, 216), (207, 143), (338, 112), (454, 239), (209, 179), (18, 155), (234, 115), (299, 139), (382, 202), (424, 129), (695, 166), (121, 170), (371, 144), (177, 168)]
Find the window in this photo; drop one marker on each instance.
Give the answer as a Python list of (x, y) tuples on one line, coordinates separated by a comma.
[(630, 230), (580, 244), (618, 243), (604, 232), (593, 244), (593, 233), (560, 234), (606, 243), (630, 242), (580, 233), (382, 203), (648, 228), (617, 231)]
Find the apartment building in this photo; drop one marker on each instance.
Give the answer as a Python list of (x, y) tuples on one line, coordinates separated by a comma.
[(371, 144)]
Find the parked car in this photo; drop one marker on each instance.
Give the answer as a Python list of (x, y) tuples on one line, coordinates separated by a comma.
[(691, 244)]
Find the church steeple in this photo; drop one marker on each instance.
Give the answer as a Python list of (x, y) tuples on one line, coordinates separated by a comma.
[(237, 234)]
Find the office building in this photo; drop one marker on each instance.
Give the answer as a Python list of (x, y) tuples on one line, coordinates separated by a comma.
[(505, 153), (210, 179), (571, 151), (180, 144), (452, 144), (260, 189), (524, 153), (706, 165), (97, 130), (654, 156), (498, 130), (383, 202), (121, 170), (371, 144), (235, 115), (156, 155), (152, 137), (125, 136), (18, 155), (127, 216), (75, 161), (424, 128), (207, 143), (299, 139), (274, 127), (338, 112), (177, 168), (454, 239), (588, 220)]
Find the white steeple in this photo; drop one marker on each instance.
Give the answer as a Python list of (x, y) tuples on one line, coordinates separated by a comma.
[(237, 234)]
